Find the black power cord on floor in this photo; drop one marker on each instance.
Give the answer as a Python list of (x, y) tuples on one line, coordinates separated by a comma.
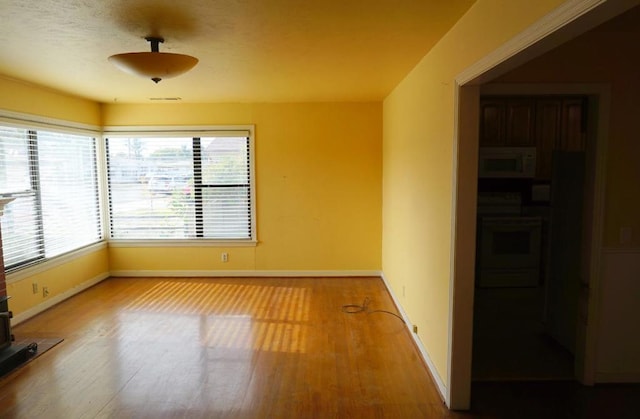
[(364, 308)]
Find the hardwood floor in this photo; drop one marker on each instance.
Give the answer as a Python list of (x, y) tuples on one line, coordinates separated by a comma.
[(231, 348), (255, 348)]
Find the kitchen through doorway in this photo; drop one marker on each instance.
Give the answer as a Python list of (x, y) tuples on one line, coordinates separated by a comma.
[(531, 184)]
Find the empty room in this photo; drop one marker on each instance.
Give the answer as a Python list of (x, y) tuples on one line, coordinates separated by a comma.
[(319, 209)]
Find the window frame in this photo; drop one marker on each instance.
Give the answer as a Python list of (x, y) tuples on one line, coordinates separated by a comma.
[(33, 124), (176, 132)]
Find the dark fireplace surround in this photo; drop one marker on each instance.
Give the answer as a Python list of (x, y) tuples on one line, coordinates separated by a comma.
[(5, 314), (11, 355), (5, 324)]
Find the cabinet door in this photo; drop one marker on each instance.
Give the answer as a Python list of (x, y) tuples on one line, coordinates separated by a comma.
[(492, 113), (573, 125), (520, 122), (548, 127)]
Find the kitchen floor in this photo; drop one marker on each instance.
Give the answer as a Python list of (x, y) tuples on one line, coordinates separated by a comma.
[(509, 341)]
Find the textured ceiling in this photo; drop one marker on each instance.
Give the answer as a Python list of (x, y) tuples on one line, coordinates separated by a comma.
[(249, 50)]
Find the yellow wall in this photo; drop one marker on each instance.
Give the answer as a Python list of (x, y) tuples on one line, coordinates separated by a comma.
[(59, 280), (19, 96), (608, 54), (418, 129), (318, 174)]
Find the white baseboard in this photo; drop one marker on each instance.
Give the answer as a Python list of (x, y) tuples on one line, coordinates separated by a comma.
[(440, 385), (27, 314), (243, 273)]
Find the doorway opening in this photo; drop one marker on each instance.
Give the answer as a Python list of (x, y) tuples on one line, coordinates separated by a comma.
[(530, 207), (482, 79)]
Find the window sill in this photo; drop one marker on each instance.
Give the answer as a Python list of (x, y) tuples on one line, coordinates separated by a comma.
[(183, 243)]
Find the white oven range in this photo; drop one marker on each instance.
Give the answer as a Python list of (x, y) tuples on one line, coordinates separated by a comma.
[(509, 244)]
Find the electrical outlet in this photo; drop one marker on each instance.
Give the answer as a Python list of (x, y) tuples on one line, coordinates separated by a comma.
[(45, 291), (415, 328), (35, 287), (224, 257)]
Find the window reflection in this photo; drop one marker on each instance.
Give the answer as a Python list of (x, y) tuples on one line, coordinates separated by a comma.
[(225, 314)]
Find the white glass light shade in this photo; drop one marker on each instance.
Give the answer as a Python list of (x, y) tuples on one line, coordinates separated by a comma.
[(154, 65)]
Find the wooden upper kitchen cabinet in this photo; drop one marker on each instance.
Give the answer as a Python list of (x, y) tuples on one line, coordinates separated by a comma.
[(492, 122), (546, 122), (520, 120), (507, 122), (573, 134), (548, 128)]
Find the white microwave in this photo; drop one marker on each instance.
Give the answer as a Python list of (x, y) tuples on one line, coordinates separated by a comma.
[(507, 162)]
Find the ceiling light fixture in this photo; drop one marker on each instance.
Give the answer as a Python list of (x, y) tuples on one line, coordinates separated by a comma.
[(154, 65)]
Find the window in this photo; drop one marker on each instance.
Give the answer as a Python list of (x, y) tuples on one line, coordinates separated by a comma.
[(174, 188), (53, 178)]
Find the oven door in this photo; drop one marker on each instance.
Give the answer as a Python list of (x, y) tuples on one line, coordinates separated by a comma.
[(509, 251)]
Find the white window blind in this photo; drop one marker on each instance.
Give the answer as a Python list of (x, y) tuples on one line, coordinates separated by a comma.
[(53, 177), (180, 187)]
